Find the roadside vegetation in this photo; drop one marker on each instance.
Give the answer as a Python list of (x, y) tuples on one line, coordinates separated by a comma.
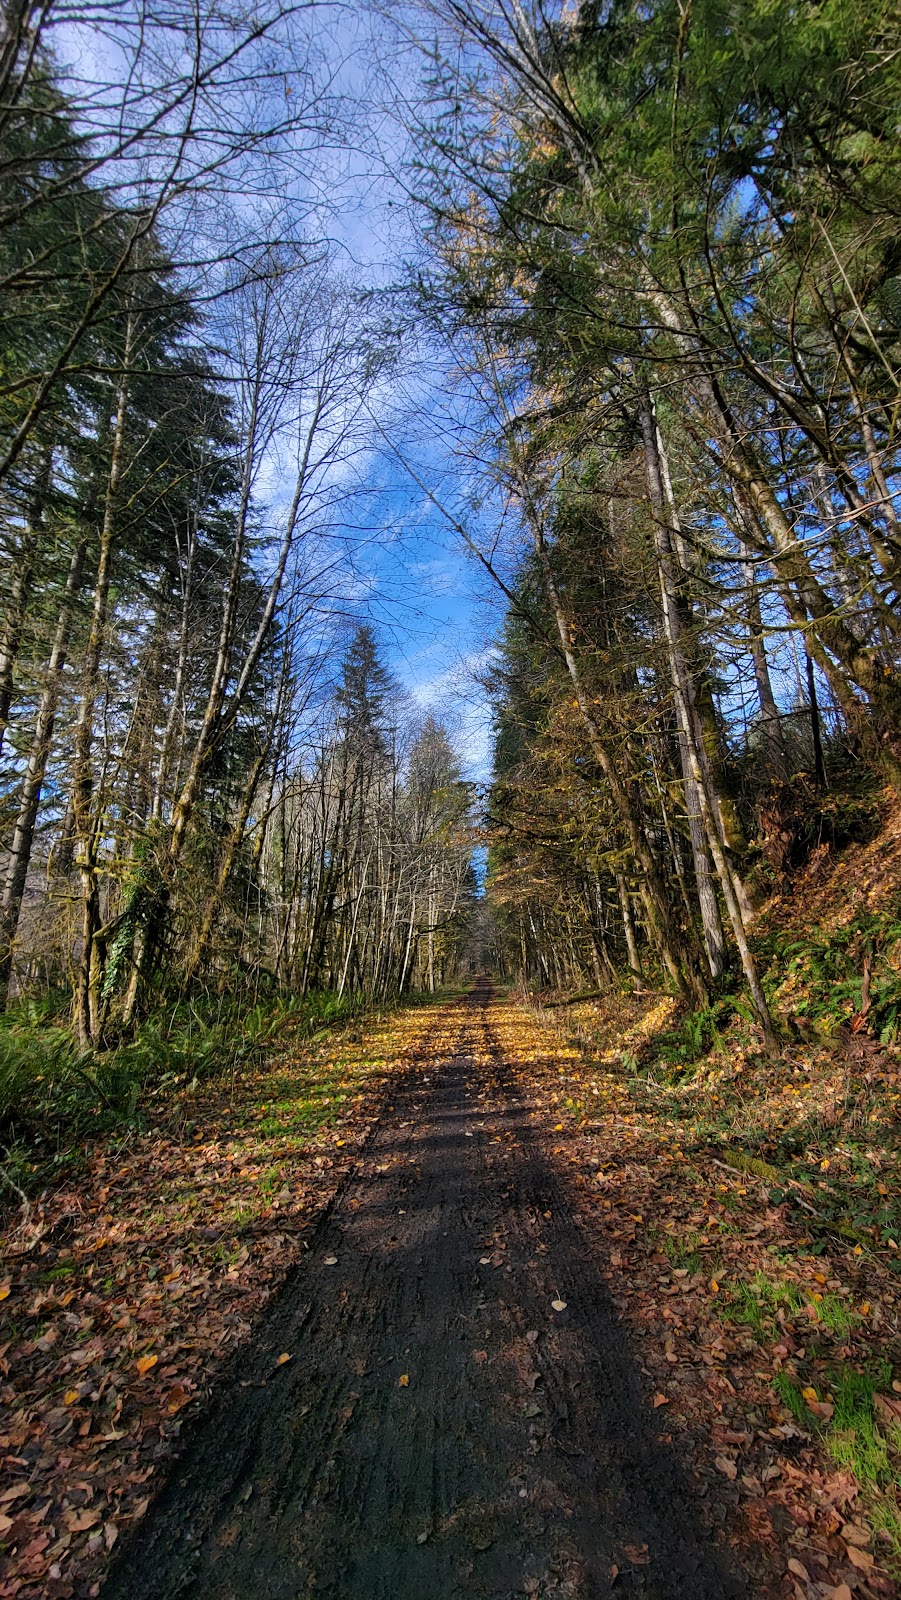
[(768, 1192)]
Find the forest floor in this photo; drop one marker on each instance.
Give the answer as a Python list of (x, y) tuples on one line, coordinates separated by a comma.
[(436, 1309)]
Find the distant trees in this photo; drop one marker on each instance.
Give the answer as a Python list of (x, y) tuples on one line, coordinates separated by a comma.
[(663, 248), (371, 842)]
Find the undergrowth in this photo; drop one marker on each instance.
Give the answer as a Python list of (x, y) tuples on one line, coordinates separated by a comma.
[(842, 1410), (53, 1098)]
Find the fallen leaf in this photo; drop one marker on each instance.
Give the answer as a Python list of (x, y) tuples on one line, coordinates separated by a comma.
[(726, 1467), (15, 1493), (558, 1305), (176, 1398), (6, 1291), (144, 1363), (70, 1397), (77, 1521), (861, 1559), (840, 1592), (887, 1408), (110, 1535), (330, 1261), (853, 1533), (799, 1569), (285, 1356), (660, 1400), (403, 1381), (637, 1554)]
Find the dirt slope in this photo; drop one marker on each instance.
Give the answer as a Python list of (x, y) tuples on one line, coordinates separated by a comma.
[(460, 1414)]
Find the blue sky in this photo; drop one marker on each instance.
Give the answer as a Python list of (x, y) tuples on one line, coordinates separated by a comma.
[(436, 613), (407, 571)]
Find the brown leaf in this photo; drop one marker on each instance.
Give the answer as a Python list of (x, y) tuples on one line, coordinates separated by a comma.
[(798, 1568), (726, 1467), (15, 1493), (887, 1408), (660, 1400), (637, 1554), (861, 1559), (77, 1521)]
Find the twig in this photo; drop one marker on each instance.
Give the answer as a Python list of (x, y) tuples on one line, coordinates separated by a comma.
[(25, 1205)]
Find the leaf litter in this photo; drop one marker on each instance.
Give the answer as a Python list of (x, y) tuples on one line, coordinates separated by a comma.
[(128, 1286), (753, 1330)]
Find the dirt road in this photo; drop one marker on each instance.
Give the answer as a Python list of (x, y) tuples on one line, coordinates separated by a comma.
[(460, 1414)]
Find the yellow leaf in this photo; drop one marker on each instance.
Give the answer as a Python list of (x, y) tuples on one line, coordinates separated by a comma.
[(70, 1397), (403, 1381), (714, 1286), (144, 1363), (865, 1308), (5, 1292), (558, 1127), (810, 1394), (285, 1356)]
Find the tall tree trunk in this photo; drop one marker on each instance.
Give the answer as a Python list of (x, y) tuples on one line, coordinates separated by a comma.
[(682, 693), (35, 772), (771, 729), (85, 806), (20, 590), (657, 908)]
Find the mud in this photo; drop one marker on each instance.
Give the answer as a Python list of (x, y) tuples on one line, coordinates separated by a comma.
[(440, 1429)]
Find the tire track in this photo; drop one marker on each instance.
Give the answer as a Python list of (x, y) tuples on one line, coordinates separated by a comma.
[(440, 1430)]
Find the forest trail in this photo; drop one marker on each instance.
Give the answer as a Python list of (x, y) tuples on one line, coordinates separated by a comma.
[(460, 1414)]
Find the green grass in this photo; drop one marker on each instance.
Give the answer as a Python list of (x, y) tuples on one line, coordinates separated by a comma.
[(755, 1302), (858, 1442), (854, 1439), (684, 1252)]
